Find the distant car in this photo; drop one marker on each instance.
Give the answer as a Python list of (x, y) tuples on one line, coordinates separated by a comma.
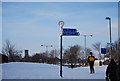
[(40, 61)]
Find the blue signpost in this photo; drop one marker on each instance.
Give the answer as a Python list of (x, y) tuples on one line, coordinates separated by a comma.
[(103, 50), (70, 32), (110, 44)]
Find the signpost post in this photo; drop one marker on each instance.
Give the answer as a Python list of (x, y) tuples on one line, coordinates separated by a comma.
[(61, 23), (65, 32)]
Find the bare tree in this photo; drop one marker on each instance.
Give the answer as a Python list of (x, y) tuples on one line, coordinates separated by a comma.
[(54, 53), (66, 56), (97, 48), (116, 50), (10, 50), (72, 54), (88, 50)]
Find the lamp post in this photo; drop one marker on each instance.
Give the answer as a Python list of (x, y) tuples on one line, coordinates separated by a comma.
[(85, 36), (61, 23), (47, 47), (109, 19)]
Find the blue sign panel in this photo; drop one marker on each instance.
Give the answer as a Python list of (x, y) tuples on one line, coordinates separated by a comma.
[(70, 32), (109, 44), (103, 50)]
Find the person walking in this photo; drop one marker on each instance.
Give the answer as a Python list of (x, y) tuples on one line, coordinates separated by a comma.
[(111, 70), (91, 60), (118, 71)]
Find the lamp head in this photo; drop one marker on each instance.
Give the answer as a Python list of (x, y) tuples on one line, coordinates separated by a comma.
[(107, 18), (91, 35)]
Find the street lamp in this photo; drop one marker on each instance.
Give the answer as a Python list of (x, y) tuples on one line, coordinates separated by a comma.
[(47, 47), (61, 23), (85, 44), (109, 19)]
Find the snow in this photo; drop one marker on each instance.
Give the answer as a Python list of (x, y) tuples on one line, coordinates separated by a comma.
[(25, 70), (0, 72)]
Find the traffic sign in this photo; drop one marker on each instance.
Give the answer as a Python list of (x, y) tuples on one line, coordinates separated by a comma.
[(70, 32), (103, 50), (109, 44)]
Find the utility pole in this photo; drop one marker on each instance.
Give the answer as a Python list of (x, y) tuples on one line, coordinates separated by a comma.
[(85, 36)]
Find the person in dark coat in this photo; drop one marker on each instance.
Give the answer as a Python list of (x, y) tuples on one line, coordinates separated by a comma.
[(118, 71), (91, 60), (111, 70)]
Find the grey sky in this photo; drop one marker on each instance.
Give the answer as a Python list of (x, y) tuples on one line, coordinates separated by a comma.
[(28, 25)]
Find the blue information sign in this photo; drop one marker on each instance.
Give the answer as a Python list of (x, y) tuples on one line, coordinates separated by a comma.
[(103, 50), (109, 44), (70, 32)]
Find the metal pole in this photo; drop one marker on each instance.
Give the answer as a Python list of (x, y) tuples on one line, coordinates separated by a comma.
[(61, 23), (85, 47), (108, 18), (61, 55), (85, 41), (110, 30), (47, 50), (110, 39)]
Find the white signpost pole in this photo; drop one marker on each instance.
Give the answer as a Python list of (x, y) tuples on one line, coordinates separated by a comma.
[(61, 23)]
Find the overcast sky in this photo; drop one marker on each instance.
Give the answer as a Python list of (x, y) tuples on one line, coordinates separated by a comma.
[(60, 0), (0, 25), (29, 25)]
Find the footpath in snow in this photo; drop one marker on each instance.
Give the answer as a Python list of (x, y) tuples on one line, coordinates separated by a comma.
[(24, 70)]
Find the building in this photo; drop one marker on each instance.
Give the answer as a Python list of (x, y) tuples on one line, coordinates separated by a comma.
[(3, 58), (26, 57)]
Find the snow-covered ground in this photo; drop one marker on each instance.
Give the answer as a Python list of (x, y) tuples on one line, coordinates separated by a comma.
[(23, 70), (0, 72)]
